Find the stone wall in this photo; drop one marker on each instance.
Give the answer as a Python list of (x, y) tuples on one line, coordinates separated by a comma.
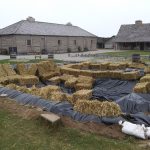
[(48, 43)]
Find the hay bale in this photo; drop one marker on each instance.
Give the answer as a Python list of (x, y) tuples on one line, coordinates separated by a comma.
[(46, 91), (55, 80), (57, 96), (12, 86), (66, 77), (94, 66), (87, 73), (104, 66), (85, 79), (141, 87), (113, 66), (130, 75), (101, 74), (123, 65), (2, 71), (147, 70), (137, 65), (69, 98), (83, 86), (31, 69), (145, 78), (82, 94), (107, 109), (116, 74), (9, 70), (71, 82), (28, 79)]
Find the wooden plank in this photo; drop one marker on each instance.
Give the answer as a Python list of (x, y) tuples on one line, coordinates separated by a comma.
[(51, 117)]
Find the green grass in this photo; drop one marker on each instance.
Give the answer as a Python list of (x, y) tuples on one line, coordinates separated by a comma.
[(19, 134), (126, 53), (26, 61)]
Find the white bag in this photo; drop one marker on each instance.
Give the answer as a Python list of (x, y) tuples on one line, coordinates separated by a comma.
[(147, 132), (133, 129)]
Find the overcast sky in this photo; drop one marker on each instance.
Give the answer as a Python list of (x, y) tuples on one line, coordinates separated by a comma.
[(100, 17)]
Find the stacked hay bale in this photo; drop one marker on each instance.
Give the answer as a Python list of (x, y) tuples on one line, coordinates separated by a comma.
[(134, 75), (107, 109), (58, 96), (94, 66), (46, 91), (70, 82), (47, 70), (55, 80), (27, 74), (116, 74), (123, 65), (114, 66), (84, 82), (81, 94), (101, 74), (104, 66), (3, 76)]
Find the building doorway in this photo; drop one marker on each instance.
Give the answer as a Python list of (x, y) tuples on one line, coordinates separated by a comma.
[(141, 46)]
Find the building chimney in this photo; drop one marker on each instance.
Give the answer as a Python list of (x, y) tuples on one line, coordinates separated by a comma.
[(30, 19), (138, 22)]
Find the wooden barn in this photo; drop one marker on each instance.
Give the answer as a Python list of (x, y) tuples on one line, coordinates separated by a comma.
[(133, 36)]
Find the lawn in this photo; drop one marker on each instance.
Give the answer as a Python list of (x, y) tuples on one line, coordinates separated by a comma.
[(20, 134), (26, 61), (127, 53)]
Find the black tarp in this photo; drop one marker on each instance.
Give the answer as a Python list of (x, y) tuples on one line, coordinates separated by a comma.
[(132, 104), (111, 89)]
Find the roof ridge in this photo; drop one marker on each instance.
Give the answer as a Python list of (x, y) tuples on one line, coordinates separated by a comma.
[(52, 23), (19, 25)]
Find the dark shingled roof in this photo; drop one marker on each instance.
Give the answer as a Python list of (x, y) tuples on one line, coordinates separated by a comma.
[(134, 33), (25, 27)]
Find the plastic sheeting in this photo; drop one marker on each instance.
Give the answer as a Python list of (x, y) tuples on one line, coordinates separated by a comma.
[(132, 104), (110, 89)]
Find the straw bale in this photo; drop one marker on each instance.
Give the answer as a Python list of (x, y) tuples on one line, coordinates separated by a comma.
[(83, 86), (31, 70), (66, 77), (9, 70), (101, 74), (14, 79), (141, 87), (147, 69), (12, 86), (82, 94), (46, 91), (57, 96), (76, 66), (116, 74), (87, 73), (95, 66), (85, 79), (113, 66), (28, 79), (130, 75), (108, 109), (69, 98), (4, 80), (55, 80), (104, 66), (71, 82), (2, 71), (136, 65), (145, 78), (123, 65)]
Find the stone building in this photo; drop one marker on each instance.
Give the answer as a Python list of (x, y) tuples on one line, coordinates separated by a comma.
[(133, 37), (30, 36)]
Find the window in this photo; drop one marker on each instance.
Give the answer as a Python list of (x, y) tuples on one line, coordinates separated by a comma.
[(75, 42), (91, 42), (59, 42), (28, 42)]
